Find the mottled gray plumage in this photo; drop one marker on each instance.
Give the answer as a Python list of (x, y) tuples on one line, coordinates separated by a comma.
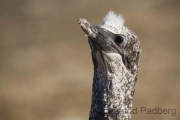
[(115, 54)]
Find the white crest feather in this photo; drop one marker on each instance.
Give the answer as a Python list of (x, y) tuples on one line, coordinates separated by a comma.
[(112, 17), (113, 22)]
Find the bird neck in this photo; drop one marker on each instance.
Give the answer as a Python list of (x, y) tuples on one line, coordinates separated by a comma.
[(113, 90)]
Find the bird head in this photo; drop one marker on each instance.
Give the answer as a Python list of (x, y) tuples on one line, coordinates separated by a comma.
[(112, 37)]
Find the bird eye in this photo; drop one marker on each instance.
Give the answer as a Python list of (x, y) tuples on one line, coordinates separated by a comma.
[(118, 39)]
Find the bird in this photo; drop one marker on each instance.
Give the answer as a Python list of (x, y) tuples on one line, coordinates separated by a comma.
[(115, 52)]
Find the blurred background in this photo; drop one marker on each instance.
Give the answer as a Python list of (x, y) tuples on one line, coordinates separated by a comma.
[(45, 63)]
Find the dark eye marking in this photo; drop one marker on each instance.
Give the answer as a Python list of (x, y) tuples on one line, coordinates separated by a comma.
[(118, 39)]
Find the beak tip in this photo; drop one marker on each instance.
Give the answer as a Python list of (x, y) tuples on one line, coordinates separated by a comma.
[(82, 20)]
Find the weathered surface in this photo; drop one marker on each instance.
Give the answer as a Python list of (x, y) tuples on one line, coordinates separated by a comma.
[(115, 54)]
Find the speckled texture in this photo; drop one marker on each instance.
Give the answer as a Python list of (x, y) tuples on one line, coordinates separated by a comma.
[(114, 83), (112, 90), (115, 71)]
